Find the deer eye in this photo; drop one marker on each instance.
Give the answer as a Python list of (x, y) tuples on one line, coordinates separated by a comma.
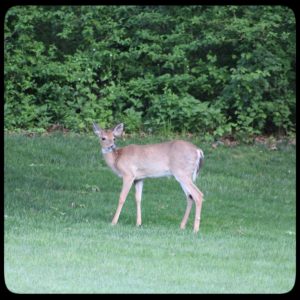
[(103, 139)]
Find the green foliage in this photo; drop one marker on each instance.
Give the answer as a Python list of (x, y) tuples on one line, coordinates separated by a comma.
[(183, 113), (213, 70)]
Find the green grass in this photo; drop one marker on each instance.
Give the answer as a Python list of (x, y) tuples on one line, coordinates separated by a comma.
[(60, 199)]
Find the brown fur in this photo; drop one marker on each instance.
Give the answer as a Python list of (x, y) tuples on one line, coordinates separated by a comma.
[(134, 163)]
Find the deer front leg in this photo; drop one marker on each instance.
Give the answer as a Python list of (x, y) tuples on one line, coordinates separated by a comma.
[(127, 183), (138, 199)]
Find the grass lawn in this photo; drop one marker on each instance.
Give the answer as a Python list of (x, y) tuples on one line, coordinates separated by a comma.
[(60, 198)]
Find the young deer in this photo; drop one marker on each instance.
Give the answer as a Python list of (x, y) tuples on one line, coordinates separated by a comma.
[(134, 163)]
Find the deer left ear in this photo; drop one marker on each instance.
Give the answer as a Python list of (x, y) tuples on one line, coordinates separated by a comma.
[(97, 129), (118, 130)]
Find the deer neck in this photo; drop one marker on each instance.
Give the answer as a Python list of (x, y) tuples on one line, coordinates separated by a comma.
[(111, 159)]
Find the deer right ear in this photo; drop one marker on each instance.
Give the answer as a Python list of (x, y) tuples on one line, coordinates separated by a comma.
[(97, 129), (118, 130)]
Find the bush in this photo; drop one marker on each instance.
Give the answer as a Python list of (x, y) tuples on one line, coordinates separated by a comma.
[(204, 69)]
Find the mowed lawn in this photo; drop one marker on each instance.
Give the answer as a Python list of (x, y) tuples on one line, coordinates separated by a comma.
[(60, 198)]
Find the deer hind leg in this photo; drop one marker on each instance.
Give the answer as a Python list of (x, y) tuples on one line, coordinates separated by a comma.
[(187, 212), (127, 183), (193, 194), (198, 202), (138, 198), (189, 204)]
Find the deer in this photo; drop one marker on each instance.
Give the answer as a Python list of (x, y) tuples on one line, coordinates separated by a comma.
[(134, 163)]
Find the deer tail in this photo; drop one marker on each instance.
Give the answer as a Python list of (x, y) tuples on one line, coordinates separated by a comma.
[(199, 163)]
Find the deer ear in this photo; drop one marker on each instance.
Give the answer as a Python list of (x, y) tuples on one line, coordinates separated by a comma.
[(97, 130), (118, 130)]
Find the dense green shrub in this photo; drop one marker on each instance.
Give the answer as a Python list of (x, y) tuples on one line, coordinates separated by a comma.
[(212, 70)]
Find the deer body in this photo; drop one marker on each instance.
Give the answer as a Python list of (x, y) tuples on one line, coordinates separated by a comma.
[(134, 163)]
